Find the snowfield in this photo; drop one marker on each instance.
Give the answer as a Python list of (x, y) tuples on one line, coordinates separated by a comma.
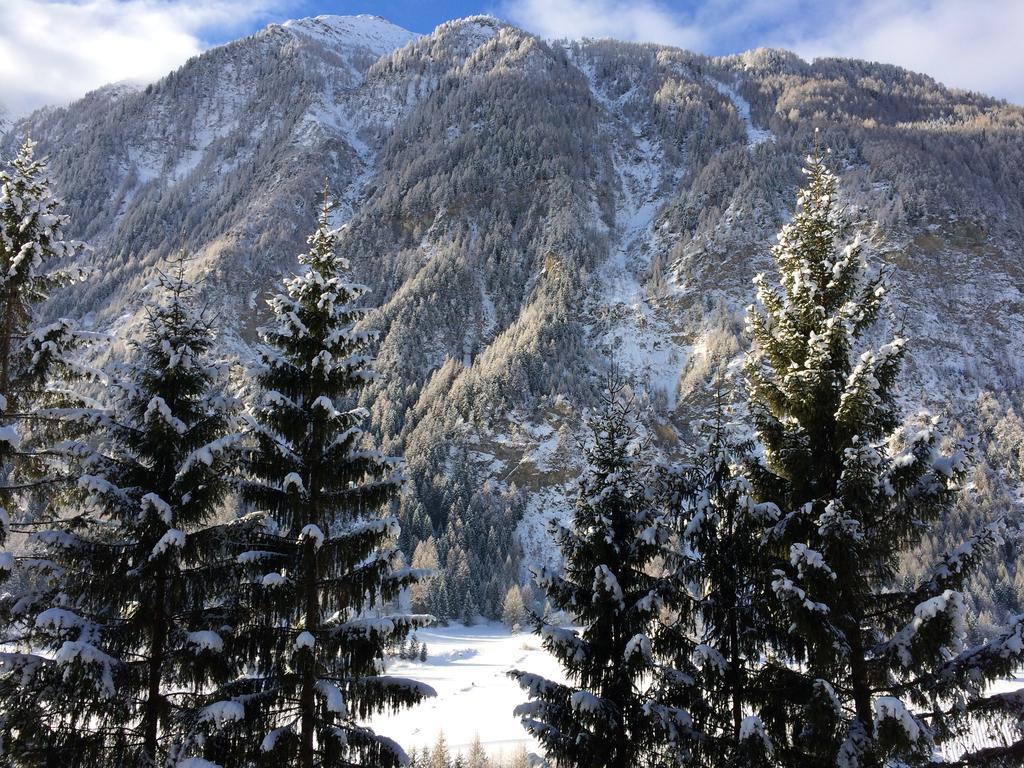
[(467, 667), (981, 737)]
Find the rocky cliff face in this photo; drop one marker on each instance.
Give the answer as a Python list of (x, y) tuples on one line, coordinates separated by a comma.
[(528, 212)]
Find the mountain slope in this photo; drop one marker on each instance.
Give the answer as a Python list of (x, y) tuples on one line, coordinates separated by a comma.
[(527, 212)]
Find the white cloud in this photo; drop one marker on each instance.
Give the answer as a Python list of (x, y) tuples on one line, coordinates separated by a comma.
[(644, 21), (52, 51), (975, 45), (962, 43)]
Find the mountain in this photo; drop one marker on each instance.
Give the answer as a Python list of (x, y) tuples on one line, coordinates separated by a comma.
[(527, 212), (345, 34)]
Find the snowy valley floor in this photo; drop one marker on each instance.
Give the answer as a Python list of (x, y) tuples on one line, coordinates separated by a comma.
[(467, 667)]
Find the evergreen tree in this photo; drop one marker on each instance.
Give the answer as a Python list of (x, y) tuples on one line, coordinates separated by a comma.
[(423, 652), (125, 610), (878, 661), (718, 629), (609, 714), (32, 244), (470, 611), (438, 601), (314, 657)]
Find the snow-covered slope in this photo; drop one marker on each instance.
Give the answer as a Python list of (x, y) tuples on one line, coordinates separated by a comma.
[(345, 32), (526, 213)]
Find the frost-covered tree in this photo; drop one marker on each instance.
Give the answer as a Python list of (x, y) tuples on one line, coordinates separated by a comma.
[(33, 252), (876, 662), (425, 559), (313, 650), (124, 607), (609, 713), (439, 755), (513, 611), (477, 755), (718, 628), (32, 246)]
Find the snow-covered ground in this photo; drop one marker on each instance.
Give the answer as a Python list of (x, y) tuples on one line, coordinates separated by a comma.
[(467, 667), (982, 737)]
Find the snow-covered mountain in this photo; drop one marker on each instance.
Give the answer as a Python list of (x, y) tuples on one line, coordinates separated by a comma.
[(526, 212), (345, 34)]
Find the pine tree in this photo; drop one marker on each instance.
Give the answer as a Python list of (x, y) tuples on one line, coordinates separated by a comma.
[(609, 714), (315, 656), (470, 611), (718, 630), (32, 244), (125, 614), (438, 601), (423, 652), (876, 661)]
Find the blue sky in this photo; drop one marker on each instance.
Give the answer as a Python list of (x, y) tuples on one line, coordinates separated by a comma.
[(52, 51)]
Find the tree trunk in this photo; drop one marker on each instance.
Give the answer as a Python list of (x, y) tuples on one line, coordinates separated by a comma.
[(307, 698), (151, 713), (735, 672), (859, 675), (6, 332), (735, 663)]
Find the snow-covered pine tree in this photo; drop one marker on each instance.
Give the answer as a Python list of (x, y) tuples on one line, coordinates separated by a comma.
[(32, 245), (718, 628), (123, 620), (609, 714), (873, 666), (314, 652)]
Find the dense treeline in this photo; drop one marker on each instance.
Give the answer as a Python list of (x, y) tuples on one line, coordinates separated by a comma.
[(208, 566), (440, 756)]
